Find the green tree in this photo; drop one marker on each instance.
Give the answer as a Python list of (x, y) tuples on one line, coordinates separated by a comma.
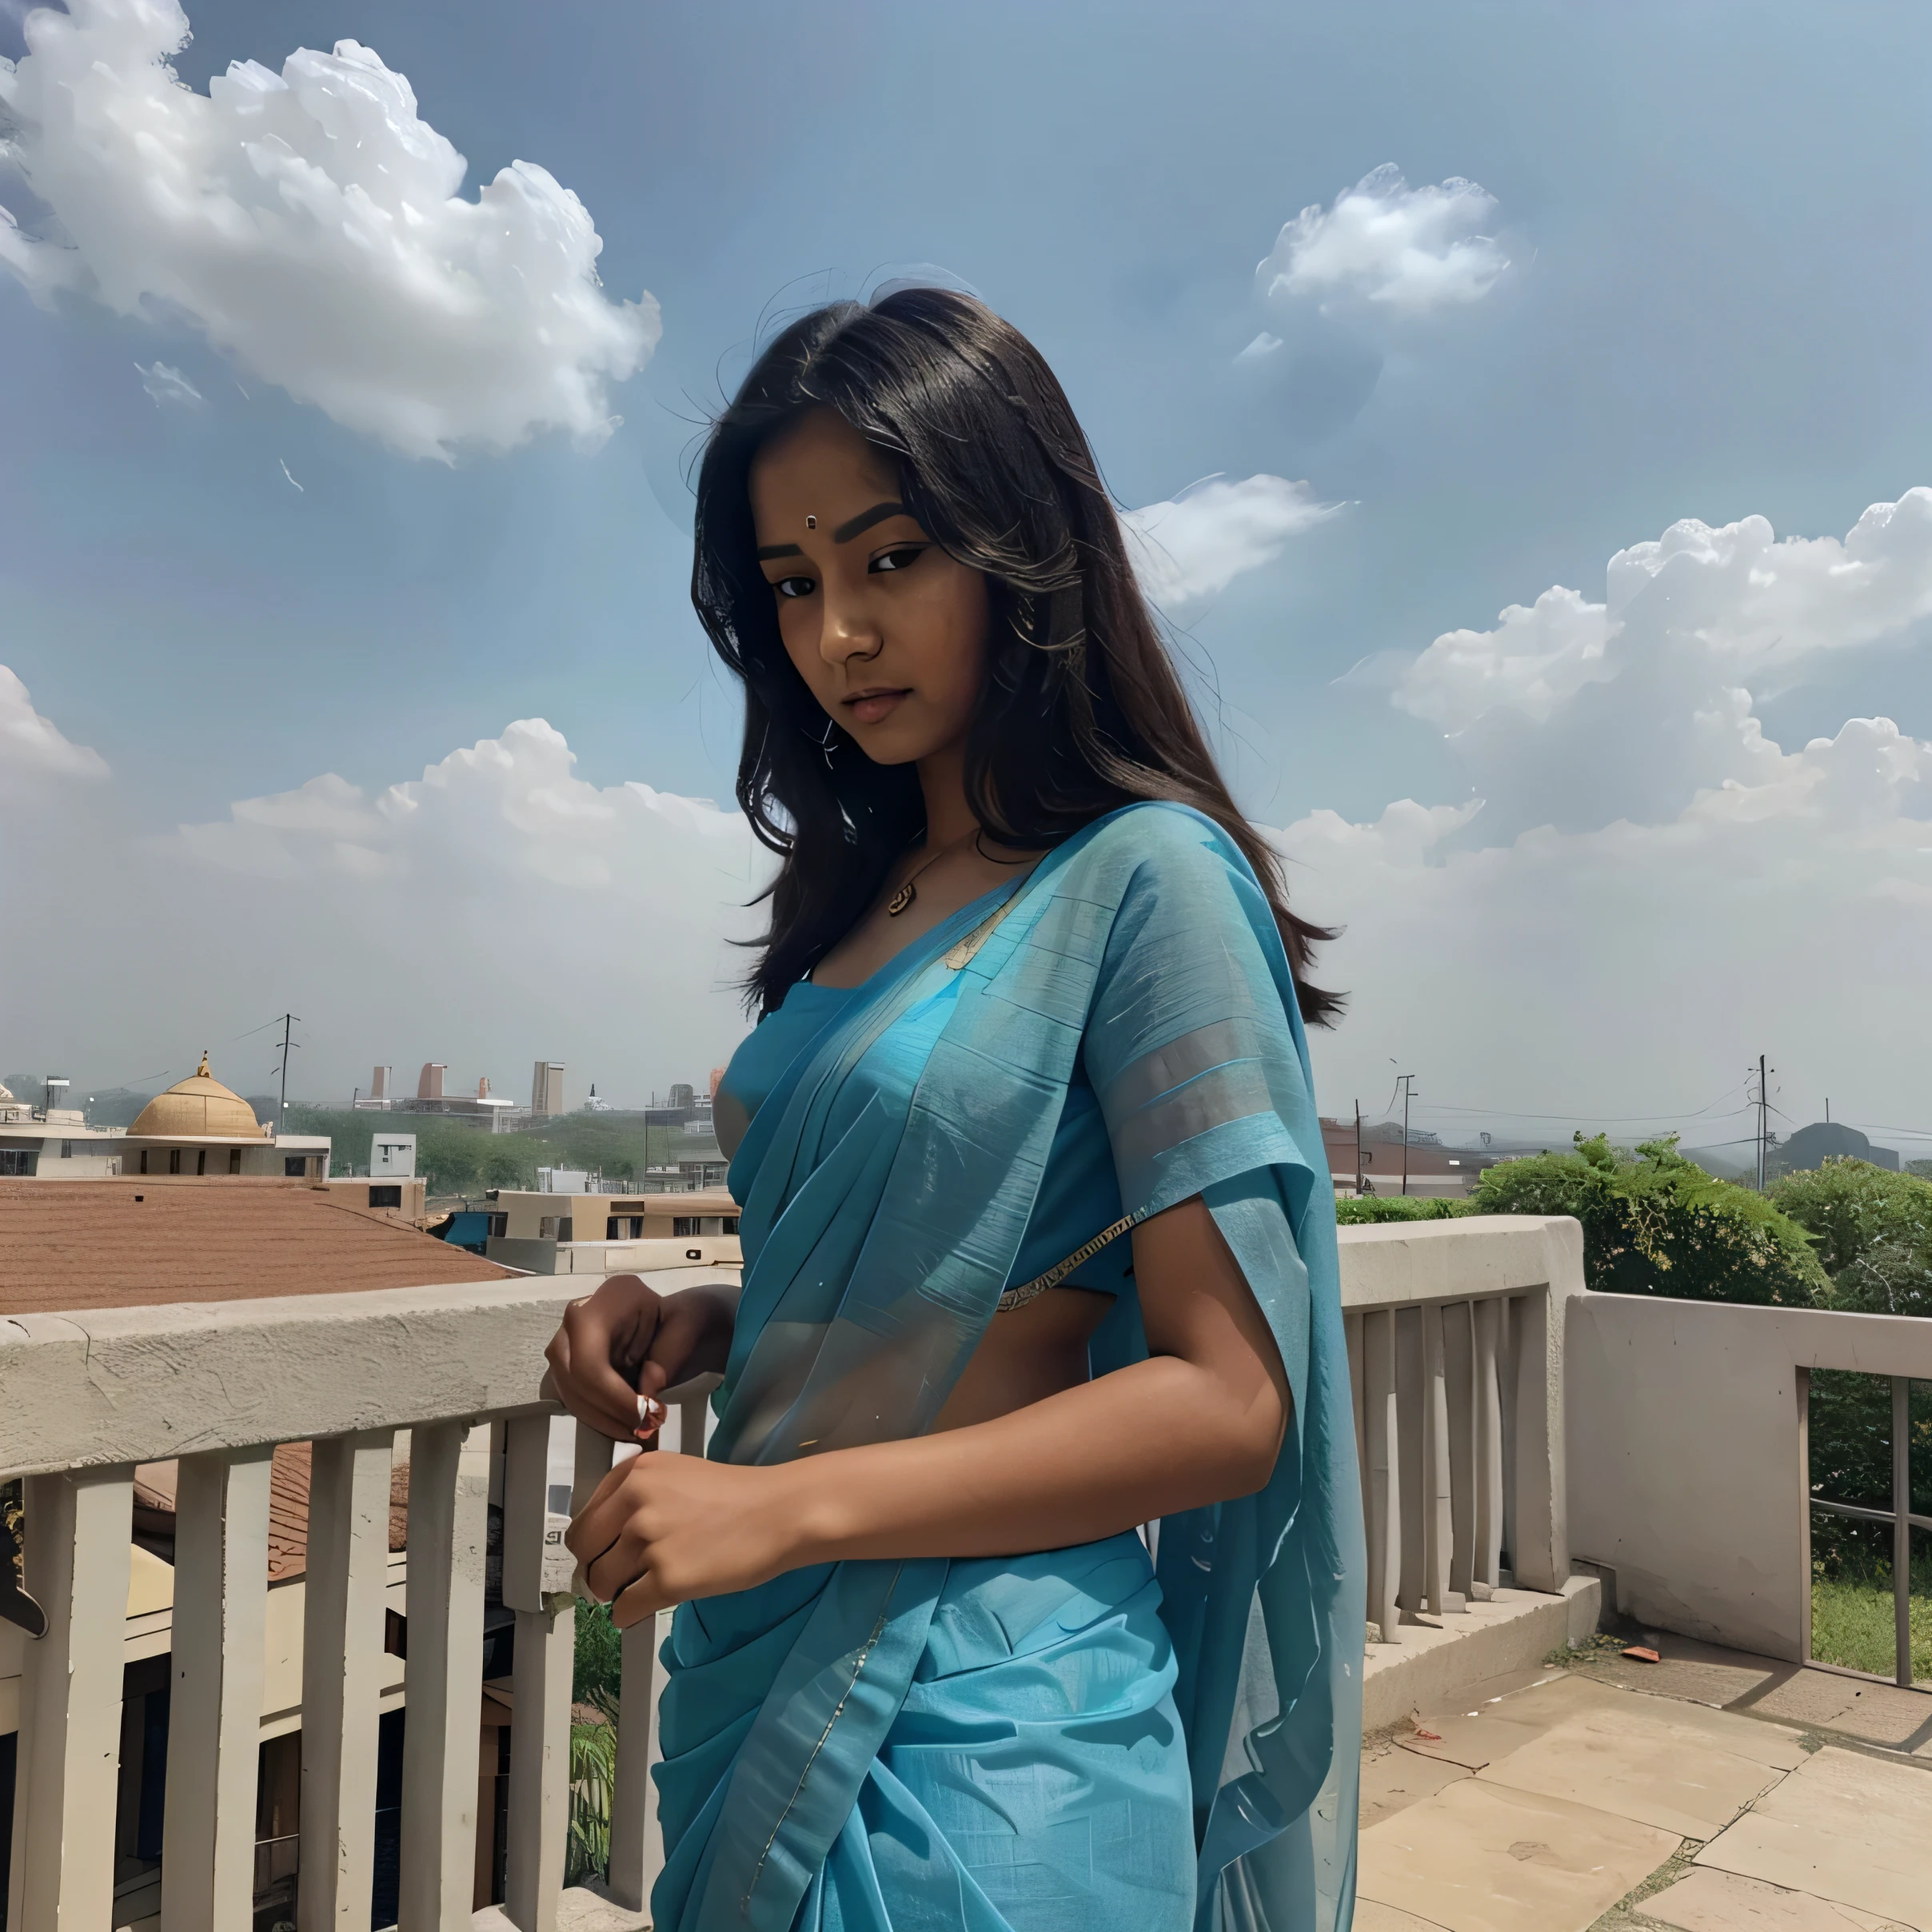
[(1872, 1231), (1658, 1224)]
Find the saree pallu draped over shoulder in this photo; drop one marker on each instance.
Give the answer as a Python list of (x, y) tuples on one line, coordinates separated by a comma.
[(1073, 1739)]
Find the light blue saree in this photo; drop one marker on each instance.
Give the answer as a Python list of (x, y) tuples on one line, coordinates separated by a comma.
[(1068, 1739)]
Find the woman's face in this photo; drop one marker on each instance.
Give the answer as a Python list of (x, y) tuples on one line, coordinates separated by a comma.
[(887, 631)]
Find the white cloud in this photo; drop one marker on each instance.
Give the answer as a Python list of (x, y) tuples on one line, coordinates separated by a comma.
[(311, 223), (1574, 712), (1639, 892), (32, 748), (166, 385), (498, 908), (1644, 889), (1190, 548), (1410, 249)]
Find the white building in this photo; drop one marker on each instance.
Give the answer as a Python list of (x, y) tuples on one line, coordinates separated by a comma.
[(197, 1126)]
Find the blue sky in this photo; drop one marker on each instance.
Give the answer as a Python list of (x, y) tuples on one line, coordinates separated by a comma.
[(1715, 307)]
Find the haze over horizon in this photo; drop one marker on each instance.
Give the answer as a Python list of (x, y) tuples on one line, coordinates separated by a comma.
[(1522, 416)]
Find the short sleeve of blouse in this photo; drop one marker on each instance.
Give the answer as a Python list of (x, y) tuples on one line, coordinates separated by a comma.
[(1190, 1046)]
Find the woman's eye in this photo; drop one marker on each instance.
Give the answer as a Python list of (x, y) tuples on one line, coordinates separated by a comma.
[(899, 559), (795, 586)]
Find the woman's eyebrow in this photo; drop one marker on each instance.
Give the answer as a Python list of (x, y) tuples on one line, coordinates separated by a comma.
[(865, 519), (844, 533)]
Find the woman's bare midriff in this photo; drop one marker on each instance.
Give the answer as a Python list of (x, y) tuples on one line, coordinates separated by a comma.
[(1027, 1354)]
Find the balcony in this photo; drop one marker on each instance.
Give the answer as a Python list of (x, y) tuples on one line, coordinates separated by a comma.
[(1536, 1460)]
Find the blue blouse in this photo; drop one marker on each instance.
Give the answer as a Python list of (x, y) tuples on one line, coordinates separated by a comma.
[(1080, 1196)]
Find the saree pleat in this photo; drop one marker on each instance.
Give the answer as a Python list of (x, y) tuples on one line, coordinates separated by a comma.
[(1072, 1738)]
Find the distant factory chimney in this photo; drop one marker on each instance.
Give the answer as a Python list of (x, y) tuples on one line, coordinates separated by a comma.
[(379, 1086), (429, 1084), (547, 1088)]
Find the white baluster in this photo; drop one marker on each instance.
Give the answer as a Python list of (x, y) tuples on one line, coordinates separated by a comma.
[(67, 1765), (535, 1573), (1459, 1386), (214, 1704), (1412, 1405), (1488, 1469), (449, 1532), (1509, 1351), (637, 1844), (1384, 1465), (1439, 1516), (342, 1669)]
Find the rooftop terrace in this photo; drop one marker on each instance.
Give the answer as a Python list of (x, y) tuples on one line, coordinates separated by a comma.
[(1714, 1791), (1537, 1460)]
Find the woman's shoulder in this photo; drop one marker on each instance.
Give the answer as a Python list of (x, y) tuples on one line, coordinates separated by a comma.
[(1157, 840)]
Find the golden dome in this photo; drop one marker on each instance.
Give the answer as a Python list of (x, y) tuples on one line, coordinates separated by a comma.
[(198, 1108)]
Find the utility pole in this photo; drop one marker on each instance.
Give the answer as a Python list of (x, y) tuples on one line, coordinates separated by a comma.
[(1407, 1083), (1764, 1120), (288, 1047)]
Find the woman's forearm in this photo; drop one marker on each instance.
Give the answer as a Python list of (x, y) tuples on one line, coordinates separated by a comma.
[(1162, 1436)]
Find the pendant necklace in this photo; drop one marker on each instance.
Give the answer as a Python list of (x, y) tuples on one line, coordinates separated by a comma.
[(909, 890)]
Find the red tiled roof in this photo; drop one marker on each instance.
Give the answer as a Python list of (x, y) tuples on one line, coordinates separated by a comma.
[(141, 1240), (288, 1479)]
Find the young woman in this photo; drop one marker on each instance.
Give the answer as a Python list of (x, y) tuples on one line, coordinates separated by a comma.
[(1038, 1240)]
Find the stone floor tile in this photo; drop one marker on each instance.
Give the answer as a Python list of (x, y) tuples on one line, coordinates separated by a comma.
[(1481, 1858), (1470, 1740), (1392, 1780), (1697, 1680), (1705, 1900), (1843, 1826), (1883, 1714), (1776, 1746), (1636, 1759), (1371, 1916), (1807, 1697)]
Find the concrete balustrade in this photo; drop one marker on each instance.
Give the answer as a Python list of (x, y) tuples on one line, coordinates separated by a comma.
[(1502, 1413), (85, 1397)]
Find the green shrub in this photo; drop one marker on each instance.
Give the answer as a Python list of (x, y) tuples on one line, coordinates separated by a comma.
[(1351, 1211), (599, 1664), (1872, 1231), (1658, 1224)]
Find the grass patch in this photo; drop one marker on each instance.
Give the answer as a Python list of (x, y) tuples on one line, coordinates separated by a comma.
[(1852, 1614)]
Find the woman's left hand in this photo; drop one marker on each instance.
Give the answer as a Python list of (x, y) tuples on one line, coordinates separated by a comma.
[(662, 1529)]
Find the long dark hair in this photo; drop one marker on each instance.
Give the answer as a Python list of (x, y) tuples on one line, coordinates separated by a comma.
[(1082, 712)]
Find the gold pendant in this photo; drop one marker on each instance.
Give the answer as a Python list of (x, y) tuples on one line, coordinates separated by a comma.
[(900, 899)]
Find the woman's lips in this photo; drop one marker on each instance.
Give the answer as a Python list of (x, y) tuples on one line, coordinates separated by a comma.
[(875, 705)]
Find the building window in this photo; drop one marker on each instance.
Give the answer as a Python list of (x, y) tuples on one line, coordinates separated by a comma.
[(500, 1225), (201, 1160), (731, 1224), (685, 1224), (16, 1160), (66, 1150), (234, 1161), (294, 1166), (624, 1226), (556, 1227), (388, 1196), (175, 1155), (144, 1160)]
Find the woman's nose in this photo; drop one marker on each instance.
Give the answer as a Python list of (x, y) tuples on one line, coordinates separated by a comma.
[(848, 629)]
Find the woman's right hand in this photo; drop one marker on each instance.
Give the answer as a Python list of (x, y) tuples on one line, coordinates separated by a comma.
[(627, 1341)]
